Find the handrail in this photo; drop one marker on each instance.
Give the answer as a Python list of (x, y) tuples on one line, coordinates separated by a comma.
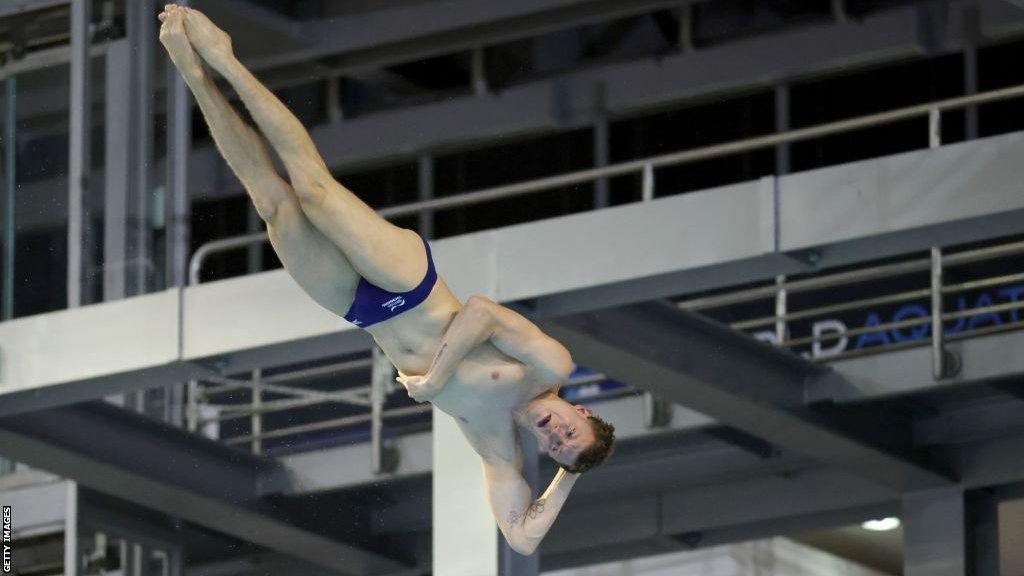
[(945, 362), (646, 165)]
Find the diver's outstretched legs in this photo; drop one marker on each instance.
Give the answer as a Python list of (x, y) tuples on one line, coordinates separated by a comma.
[(386, 255), (314, 261)]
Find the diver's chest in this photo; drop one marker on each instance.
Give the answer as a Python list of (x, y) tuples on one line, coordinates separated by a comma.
[(476, 392)]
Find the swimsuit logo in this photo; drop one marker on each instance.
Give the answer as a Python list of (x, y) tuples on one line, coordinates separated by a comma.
[(395, 302), (357, 322)]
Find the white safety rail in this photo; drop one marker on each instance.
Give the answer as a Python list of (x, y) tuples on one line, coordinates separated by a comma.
[(646, 166), (829, 337), (205, 407)]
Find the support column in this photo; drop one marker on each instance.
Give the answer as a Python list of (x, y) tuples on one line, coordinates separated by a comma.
[(972, 33), (982, 512), (934, 538), (179, 140), (463, 528), (116, 171), (139, 244), (71, 556), (781, 125), (10, 147), (78, 154)]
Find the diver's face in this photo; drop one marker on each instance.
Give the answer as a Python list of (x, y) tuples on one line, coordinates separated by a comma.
[(563, 431)]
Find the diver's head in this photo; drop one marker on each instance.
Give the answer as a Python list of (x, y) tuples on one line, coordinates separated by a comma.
[(569, 433)]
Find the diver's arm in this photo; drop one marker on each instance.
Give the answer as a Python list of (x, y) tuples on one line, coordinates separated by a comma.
[(482, 320), (524, 521)]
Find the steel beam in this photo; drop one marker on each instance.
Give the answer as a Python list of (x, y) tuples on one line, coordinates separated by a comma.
[(366, 40), (734, 379), (123, 454)]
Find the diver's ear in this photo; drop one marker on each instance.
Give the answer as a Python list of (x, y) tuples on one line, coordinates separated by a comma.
[(583, 410)]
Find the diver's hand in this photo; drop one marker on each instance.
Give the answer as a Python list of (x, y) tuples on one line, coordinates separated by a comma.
[(420, 388)]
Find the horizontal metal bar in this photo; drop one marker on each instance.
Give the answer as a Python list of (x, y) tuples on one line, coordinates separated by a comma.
[(981, 254), (983, 310), (239, 411), (196, 262), (318, 371), (890, 299), (987, 330), (333, 423), (805, 285), (674, 158), (343, 396), (239, 384), (810, 313), (705, 153), (985, 283), (857, 331), (904, 324)]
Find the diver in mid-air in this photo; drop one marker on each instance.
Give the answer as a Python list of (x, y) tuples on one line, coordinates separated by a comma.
[(483, 364)]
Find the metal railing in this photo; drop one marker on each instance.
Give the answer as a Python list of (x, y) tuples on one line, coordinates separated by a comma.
[(211, 387), (938, 262), (646, 166)]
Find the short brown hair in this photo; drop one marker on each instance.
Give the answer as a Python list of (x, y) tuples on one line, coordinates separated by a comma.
[(599, 451)]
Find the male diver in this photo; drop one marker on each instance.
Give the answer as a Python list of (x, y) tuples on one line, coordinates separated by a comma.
[(485, 365)]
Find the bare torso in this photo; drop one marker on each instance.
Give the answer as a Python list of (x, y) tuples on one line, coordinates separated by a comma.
[(486, 386)]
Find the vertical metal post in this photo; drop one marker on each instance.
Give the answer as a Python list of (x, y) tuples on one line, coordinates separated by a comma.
[(686, 27), (257, 416), (116, 178), (141, 35), (426, 192), (335, 114), (479, 70), (981, 508), (780, 311), (179, 140), (782, 125), (972, 35), (71, 529), (938, 336), (647, 187), (934, 128), (78, 142), (192, 406), (10, 174), (380, 382)]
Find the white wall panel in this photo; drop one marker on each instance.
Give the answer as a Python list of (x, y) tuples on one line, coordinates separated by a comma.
[(902, 192), (89, 342), (252, 311), (635, 240)]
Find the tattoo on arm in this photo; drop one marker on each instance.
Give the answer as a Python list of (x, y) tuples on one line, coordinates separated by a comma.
[(437, 357), (535, 509)]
